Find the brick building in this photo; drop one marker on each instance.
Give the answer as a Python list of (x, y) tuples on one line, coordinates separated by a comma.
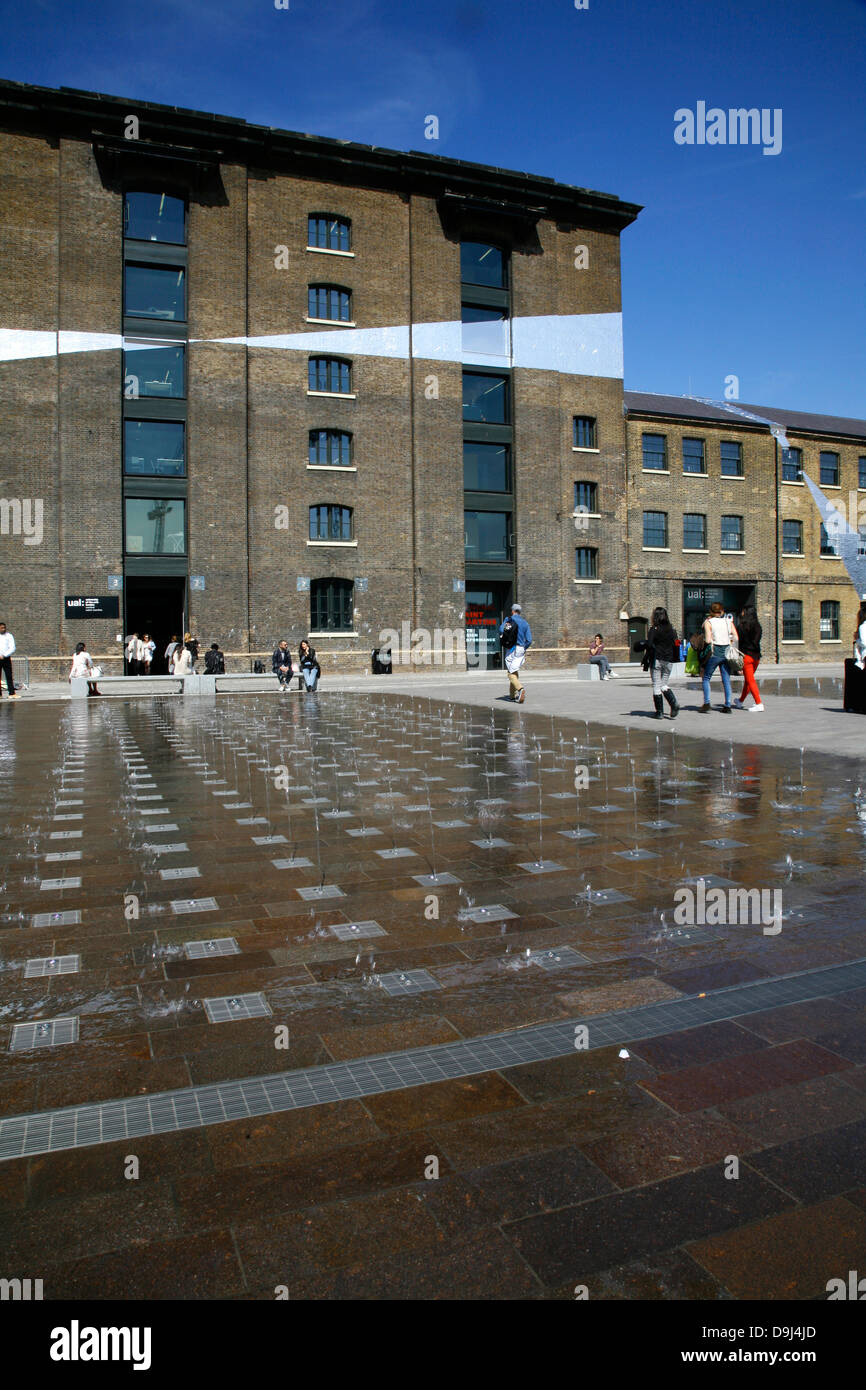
[(269, 384), (260, 384)]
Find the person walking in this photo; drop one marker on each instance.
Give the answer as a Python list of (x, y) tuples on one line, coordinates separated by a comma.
[(132, 664), (515, 638), (173, 646), (192, 643), (83, 669), (718, 633), (750, 632), (281, 664), (148, 647), (214, 661), (309, 669), (597, 657), (182, 661), (7, 647), (661, 649)]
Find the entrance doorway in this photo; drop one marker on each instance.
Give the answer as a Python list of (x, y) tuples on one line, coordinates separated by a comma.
[(698, 597), (485, 609), (637, 630), (155, 606)]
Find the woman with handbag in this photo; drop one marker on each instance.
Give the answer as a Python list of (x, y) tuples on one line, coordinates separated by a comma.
[(83, 669), (660, 650), (720, 638), (750, 633)]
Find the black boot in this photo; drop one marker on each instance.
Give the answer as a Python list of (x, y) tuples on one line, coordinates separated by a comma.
[(672, 701), (660, 706)]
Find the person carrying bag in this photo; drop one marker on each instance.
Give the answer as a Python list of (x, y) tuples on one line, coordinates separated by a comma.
[(720, 638)]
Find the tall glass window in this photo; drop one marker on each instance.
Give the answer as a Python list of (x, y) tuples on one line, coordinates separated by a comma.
[(694, 531), (481, 264), (655, 457), (732, 533), (155, 526), (330, 374), (154, 217), (487, 535), (694, 460), (829, 620), (486, 467), (792, 465), (154, 292), (154, 448), (655, 530), (861, 471), (330, 523), (829, 469), (732, 458), (792, 538), (485, 333), (331, 605), (329, 302), (585, 435), (328, 233), (828, 542), (154, 369), (331, 448), (585, 562), (485, 399), (586, 497), (792, 620)]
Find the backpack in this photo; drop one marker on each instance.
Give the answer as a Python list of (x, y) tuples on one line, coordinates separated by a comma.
[(214, 664), (258, 668), (509, 634)]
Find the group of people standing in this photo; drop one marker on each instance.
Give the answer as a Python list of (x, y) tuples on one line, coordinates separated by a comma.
[(720, 645)]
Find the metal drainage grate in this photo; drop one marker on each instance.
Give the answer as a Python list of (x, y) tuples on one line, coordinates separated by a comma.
[(56, 885), (292, 863), (66, 835), (56, 919), (188, 872), (327, 890), (494, 912), (194, 905), (63, 856), (407, 982), (219, 946), (542, 866), (52, 1032), (402, 853), (232, 1007), (178, 847), (348, 931), (436, 880), (39, 966), (269, 840)]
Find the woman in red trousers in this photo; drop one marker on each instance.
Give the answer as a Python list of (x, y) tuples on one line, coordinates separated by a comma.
[(749, 630)]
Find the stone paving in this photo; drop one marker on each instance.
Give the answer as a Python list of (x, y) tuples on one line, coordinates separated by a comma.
[(165, 860)]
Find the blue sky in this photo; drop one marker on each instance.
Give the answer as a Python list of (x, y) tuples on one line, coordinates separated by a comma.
[(741, 263)]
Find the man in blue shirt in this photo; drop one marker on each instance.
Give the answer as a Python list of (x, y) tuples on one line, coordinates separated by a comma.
[(516, 639)]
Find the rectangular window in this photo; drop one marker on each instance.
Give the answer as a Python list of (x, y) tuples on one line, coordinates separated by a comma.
[(326, 233), (487, 535), (829, 469), (861, 544), (792, 465), (828, 543), (861, 471), (154, 370), (154, 292), (732, 533), (154, 448), (732, 459), (586, 497), (792, 538), (829, 620), (655, 529), (485, 333), (330, 448), (694, 531), (481, 264), (155, 526), (694, 460), (154, 217), (330, 374), (330, 303), (331, 605), (792, 620), (585, 432), (655, 457), (330, 523), (486, 467), (485, 399), (585, 562)]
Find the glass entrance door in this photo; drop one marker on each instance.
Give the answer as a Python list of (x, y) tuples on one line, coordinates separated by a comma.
[(485, 609)]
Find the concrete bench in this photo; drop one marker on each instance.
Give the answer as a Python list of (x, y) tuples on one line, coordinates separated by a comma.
[(135, 685), (587, 672)]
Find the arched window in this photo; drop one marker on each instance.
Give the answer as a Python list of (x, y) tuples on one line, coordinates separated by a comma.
[(331, 605), (330, 523), (330, 374), (327, 232), (330, 448), (329, 302)]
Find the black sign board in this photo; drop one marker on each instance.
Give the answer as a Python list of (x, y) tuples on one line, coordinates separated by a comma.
[(108, 607)]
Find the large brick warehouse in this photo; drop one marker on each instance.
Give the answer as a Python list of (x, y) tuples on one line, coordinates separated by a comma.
[(263, 384)]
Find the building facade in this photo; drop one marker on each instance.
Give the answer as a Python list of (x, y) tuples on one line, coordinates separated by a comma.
[(260, 384)]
